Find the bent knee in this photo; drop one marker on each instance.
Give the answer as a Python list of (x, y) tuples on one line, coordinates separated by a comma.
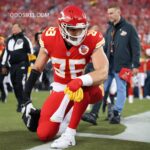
[(46, 134)]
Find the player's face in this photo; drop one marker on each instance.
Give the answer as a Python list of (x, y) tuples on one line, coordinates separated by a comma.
[(74, 32), (113, 15), (16, 29)]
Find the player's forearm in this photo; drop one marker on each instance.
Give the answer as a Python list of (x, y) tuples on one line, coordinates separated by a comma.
[(101, 66), (99, 76), (96, 77), (38, 65)]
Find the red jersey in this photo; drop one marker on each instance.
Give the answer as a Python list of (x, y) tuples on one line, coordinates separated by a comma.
[(142, 67), (146, 49), (2, 43), (69, 64), (148, 64)]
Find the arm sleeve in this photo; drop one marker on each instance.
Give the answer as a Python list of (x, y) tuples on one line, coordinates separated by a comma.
[(43, 43), (5, 57), (135, 47), (100, 40), (30, 84)]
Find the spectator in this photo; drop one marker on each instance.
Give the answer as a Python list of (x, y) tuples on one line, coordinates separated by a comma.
[(147, 81), (11, 11), (37, 44), (123, 51), (2, 76), (16, 54)]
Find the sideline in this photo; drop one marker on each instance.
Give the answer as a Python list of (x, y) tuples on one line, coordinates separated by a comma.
[(137, 130)]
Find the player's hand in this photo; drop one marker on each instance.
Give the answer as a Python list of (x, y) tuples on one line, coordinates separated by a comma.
[(76, 96), (27, 108), (4, 70), (135, 71), (74, 90), (75, 84)]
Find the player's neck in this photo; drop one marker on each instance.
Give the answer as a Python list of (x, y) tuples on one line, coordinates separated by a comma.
[(68, 46)]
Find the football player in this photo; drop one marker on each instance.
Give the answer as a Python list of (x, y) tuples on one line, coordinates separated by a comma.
[(70, 47)]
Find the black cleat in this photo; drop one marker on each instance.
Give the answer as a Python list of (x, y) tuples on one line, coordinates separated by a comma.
[(115, 118), (18, 108), (90, 117), (3, 99)]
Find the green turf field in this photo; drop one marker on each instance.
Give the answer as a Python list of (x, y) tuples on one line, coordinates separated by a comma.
[(15, 136)]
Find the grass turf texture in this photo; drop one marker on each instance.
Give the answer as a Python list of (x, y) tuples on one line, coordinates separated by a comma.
[(108, 144), (15, 136)]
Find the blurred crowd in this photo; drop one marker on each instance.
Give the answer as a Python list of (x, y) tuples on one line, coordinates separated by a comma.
[(36, 14)]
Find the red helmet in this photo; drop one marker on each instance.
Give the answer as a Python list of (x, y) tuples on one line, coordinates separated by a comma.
[(73, 18)]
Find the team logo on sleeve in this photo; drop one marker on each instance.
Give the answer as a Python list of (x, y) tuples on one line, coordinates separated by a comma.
[(19, 41), (83, 49)]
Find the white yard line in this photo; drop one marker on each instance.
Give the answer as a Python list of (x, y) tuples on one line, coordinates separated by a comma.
[(138, 129)]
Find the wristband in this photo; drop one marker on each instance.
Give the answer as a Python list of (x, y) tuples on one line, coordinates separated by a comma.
[(86, 80)]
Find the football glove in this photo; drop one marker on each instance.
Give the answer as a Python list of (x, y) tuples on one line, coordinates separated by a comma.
[(74, 96), (125, 74), (32, 120), (75, 84), (26, 108)]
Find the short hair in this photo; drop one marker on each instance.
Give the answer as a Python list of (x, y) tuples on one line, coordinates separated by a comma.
[(36, 36), (20, 26), (113, 5)]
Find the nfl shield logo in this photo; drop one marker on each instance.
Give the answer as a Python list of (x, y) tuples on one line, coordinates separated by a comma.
[(83, 49)]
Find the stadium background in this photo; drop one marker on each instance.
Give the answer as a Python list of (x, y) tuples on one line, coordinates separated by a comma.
[(44, 13), (36, 15), (13, 134)]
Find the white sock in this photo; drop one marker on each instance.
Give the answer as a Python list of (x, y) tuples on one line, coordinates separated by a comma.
[(71, 131)]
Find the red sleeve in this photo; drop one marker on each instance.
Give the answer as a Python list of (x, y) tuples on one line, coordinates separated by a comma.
[(100, 41), (44, 43), (95, 39)]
